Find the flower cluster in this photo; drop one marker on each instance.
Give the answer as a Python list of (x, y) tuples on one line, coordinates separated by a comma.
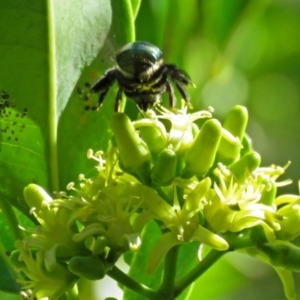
[(198, 179)]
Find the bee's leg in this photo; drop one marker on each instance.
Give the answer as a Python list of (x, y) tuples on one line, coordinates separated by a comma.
[(181, 79), (118, 100), (170, 91), (185, 96), (103, 84), (101, 98)]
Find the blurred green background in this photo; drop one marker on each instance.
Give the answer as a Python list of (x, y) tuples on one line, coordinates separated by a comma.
[(238, 52)]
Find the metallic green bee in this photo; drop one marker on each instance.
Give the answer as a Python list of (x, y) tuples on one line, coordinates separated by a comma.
[(142, 76)]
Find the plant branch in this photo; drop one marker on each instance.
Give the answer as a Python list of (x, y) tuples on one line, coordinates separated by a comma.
[(205, 264), (116, 274), (167, 286)]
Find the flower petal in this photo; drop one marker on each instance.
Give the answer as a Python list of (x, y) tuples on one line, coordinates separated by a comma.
[(165, 243)]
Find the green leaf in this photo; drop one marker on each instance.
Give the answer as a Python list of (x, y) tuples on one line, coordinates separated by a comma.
[(44, 48), (24, 77), (139, 260), (78, 129), (7, 276), (218, 282), (187, 259), (9, 224)]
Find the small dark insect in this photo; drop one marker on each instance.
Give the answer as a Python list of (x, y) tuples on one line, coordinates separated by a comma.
[(9, 118), (4, 102), (142, 76), (4, 95)]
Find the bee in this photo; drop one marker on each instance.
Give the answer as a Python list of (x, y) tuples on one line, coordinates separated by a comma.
[(143, 76)]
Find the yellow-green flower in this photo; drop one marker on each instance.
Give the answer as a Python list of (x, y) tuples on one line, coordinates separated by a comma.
[(290, 211), (234, 207), (198, 183), (43, 283), (180, 124), (54, 235), (183, 223)]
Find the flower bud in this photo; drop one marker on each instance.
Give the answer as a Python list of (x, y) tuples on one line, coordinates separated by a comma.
[(200, 156), (235, 123), (164, 170), (134, 153), (247, 145), (88, 267), (154, 136), (38, 200), (243, 167), (35, 196)]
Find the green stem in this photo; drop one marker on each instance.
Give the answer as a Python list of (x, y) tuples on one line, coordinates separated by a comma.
[(205, 264), (167, 287), (180, 197), (52, 139), (131, 284), (240, 240), (163, 195), (12, 220)]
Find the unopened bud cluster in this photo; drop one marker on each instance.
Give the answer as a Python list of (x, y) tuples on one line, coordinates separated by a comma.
[(200, 180)]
